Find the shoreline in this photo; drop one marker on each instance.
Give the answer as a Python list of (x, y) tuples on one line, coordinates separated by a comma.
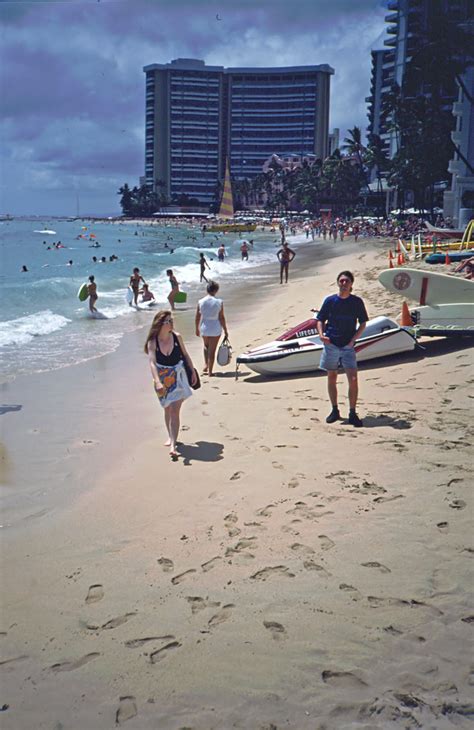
[(282, 572), (48, 412)]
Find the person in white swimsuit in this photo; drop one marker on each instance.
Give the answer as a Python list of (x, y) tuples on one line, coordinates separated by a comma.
[(210, 321)]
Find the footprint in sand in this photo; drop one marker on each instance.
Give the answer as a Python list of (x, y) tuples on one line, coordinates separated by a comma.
[(210, 564), (167, 564), (246, 542), (311, 565), (137, 643), (277, 570), (126, 710), (380, 500), (276, 465), (300, 549), (326, 542), (265, 448), (277, 630), (198, 604), (182, 576), (392, 630), (378, 602), (230, 521), (293, 483), (265, 511), (223, 615), (457, 504), (443, 526), (112, 624), (345, 680), (236, 475), (70, 666), (95, 593), (379, 566), (354, 593), (160, 654)]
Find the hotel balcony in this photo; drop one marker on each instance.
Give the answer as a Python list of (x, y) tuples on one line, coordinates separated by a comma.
[(392, 18), (392, 5), (390, 42), (458, 108)]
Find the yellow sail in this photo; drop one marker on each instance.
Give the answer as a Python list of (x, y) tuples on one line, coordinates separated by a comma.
[(227, 205)]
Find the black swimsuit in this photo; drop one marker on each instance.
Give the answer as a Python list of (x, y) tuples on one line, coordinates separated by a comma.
[(173, 358)]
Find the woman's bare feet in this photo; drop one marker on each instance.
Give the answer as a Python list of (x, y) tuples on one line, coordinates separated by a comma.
[(167, 442), (174, 454)]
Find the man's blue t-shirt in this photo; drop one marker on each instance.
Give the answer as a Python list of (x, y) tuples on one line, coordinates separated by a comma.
[(341, 317)]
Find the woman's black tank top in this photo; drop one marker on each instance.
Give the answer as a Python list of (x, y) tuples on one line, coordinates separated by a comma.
[(173, 358)]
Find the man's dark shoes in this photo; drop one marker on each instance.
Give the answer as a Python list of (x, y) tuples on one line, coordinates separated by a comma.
[(354, 419), (333, 416)]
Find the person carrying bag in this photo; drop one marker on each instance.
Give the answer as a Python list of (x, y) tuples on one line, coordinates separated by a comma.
[(224, 353)]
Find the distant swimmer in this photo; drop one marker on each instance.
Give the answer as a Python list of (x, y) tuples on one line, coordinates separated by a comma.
[(244, 251), (203, 264), (24, 269), (134, 284), (221, 252), (93, 296), (69, 263)]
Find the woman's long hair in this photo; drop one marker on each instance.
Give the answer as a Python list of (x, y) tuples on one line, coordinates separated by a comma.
[(156, 326)]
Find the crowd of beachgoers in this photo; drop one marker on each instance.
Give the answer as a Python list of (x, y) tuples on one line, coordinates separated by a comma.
[(322, 227)]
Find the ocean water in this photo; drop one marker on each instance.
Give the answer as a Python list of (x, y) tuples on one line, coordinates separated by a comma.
[(43, 324)]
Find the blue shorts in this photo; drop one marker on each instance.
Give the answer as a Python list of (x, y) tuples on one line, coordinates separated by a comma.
[(334, 357)]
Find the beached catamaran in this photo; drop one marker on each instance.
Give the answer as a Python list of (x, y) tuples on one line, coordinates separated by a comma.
[(226, 210)]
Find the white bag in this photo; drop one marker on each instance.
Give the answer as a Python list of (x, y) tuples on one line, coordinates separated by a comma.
[(224, 353)]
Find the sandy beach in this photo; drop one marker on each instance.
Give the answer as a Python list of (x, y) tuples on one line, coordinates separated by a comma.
[(282, 574)]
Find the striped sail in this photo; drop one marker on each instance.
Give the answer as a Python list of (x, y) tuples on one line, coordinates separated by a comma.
[(227, 206)]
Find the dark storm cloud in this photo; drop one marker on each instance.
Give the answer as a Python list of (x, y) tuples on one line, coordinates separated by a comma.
[(72, 82)]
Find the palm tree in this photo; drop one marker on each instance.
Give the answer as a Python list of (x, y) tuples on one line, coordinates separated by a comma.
[(376, 158), (308, 186), (353, 146)]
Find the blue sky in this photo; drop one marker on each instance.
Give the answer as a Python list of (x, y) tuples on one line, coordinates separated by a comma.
[(72, 81)]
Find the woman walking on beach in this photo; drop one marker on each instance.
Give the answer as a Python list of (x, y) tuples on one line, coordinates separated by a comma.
[(174, 287), (210, 321), (168, 359)]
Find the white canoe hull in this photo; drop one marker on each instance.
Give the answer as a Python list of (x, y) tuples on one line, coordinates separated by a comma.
[(302, 354), (444, 319)]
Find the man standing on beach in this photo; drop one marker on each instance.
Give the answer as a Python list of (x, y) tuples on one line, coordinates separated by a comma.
[(337, 327), (285, 256)]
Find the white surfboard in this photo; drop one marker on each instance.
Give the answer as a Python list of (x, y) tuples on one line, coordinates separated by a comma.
[(129, 295), (427, 288)]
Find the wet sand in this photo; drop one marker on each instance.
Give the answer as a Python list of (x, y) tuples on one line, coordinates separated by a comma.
[(283, 573)]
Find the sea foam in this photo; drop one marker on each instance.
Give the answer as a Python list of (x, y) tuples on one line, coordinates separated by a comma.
[(24, 329)]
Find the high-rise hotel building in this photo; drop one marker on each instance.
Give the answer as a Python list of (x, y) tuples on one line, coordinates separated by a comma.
[(197, 116)]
